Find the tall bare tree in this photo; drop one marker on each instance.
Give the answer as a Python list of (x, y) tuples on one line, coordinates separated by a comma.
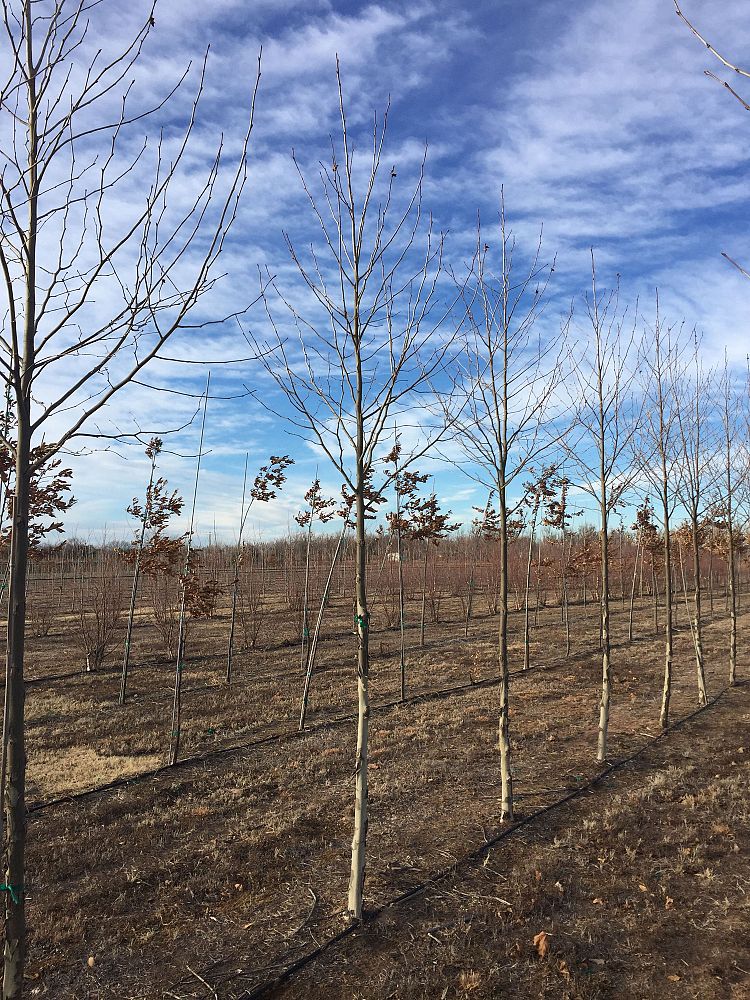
[(656, 454), (509, 375), (606, 422), (733, 452), (693, 481), (90, 303), (357, 357)]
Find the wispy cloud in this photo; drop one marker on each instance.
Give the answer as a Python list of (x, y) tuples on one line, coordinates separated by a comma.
[(596, 118)]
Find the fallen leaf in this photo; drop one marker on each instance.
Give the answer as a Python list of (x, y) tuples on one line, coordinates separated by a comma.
[(674, 978), (642, 887), (541, 943), (91, 961), (559, 887), (669, 904), (538, 875), (598, 901), (564, 970)]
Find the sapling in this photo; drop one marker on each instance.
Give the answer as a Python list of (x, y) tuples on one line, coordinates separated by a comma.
[(153, 551), (266, 485)]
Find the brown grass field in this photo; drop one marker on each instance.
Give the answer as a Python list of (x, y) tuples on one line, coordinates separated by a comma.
[(208, 880)]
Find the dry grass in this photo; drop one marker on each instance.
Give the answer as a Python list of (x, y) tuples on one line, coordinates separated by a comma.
[(241, 862)]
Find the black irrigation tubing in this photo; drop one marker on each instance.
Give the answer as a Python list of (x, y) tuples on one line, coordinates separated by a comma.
[(265, 989), (289, 735)]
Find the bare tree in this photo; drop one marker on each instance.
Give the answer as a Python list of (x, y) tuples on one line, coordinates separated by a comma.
[(479, 530), (359, 355), (100, 606), (726, 488), (606, 422), (694, 473), (656, 454), (345, 514), (509, 376), (90, 305)]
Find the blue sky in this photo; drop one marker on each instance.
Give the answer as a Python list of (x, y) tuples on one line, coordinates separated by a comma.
[(595, 118)]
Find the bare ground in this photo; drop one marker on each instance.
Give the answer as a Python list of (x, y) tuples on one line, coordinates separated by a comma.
[(210, 879)]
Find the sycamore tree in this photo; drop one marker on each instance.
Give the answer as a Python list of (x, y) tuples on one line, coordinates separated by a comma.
[(106, 249)]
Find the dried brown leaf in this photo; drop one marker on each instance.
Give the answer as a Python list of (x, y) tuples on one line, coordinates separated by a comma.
[(541, 943)]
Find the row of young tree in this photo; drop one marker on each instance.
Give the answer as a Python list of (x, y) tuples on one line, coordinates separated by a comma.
[(466, 362), (84, 595)]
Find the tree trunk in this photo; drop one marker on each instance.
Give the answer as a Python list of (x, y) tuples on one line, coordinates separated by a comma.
[(606, 666), (14, 737), (236, 578), (529, 560), (305, 598), (538, 584), (566, 603), (399, 557), (698, 629), (667, 687), (730, 560), (359, 840), (506, 774), (424, 592), (401, 607), (732, 606), (632, 588)]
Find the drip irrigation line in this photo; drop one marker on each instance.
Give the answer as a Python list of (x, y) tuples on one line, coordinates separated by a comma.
[(289, 735), (265, 989)]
